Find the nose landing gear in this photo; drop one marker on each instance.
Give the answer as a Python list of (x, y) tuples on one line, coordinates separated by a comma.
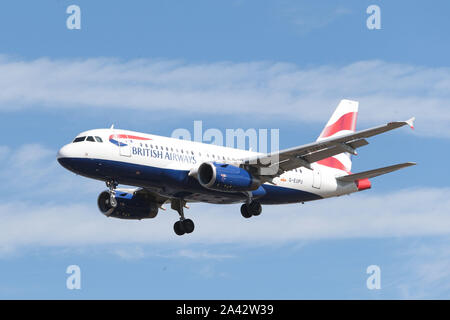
[(112, 184)]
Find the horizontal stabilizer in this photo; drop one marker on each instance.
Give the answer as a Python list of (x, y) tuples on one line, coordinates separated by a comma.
[(374, 172)]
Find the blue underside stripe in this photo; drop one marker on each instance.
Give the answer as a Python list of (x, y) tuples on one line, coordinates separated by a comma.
[(176, 183)]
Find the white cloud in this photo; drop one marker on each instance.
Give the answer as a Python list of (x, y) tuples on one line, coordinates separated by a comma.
[(310, 16), (415, 212), (134, 251), (209, 271), (128, 253), (425, 270), (387, 91), (191, 254), (32, 170)]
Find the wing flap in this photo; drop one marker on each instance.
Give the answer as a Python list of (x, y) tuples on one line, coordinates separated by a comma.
[(334, 150)]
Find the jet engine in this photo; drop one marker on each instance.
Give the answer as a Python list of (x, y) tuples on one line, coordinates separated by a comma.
[(129, 206), (226, 177)]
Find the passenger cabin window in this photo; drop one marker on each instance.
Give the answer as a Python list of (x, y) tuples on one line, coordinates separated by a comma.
[(91, 139), (79, 139), (98, 139)]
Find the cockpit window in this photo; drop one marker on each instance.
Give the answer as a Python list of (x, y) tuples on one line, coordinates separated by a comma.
[(90, 139), (79, 139), (98, 139)]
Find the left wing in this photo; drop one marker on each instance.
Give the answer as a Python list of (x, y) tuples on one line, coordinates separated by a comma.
[(374, 173), (274, 164)]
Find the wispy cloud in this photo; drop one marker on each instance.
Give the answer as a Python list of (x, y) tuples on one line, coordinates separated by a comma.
[(130, 253), (58, 219), (25, 168), (404, 213), (387, 91), (425, 270), (192, 254), (312, 15)]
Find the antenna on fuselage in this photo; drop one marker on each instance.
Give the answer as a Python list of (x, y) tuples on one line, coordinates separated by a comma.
[(112, 127)]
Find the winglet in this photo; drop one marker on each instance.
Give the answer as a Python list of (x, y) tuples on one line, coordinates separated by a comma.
[(410, 122)]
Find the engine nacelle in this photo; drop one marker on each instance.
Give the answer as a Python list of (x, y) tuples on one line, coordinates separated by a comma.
[(129, 206), (226, 177)]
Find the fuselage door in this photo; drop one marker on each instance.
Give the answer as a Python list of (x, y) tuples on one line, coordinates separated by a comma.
[(317, 178)]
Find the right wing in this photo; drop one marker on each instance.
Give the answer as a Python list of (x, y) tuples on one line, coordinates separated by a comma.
[(274, 164)]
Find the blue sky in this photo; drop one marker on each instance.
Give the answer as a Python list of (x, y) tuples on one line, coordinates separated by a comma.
[(154, 66)]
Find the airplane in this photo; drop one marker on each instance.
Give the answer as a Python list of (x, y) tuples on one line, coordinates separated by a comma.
[(167, 170)]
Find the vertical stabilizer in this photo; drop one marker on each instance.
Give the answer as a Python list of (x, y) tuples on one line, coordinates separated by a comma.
[(343, 121)]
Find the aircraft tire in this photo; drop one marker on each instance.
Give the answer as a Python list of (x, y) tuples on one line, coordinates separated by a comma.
[(188, 225), (179, 228), (245, 211), (255, 208)]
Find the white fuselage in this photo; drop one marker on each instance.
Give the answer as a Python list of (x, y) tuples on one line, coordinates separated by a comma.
[(137, 150)]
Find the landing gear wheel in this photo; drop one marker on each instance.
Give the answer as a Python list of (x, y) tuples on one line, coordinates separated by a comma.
[(252, 209), (188, 225), (178, 228), (245, 212), (255, 208)]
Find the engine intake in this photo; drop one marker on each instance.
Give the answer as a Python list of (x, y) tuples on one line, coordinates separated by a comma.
[(129, 206), (226, 177)]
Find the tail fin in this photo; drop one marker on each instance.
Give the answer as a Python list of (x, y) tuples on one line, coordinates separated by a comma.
[(343, 121)]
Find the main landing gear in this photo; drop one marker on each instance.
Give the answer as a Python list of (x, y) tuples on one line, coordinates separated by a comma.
[(183, 225), (253, 208), (112, 184)]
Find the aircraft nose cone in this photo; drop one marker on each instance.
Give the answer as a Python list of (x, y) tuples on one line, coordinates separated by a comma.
[(64, 152), (65, 156)]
